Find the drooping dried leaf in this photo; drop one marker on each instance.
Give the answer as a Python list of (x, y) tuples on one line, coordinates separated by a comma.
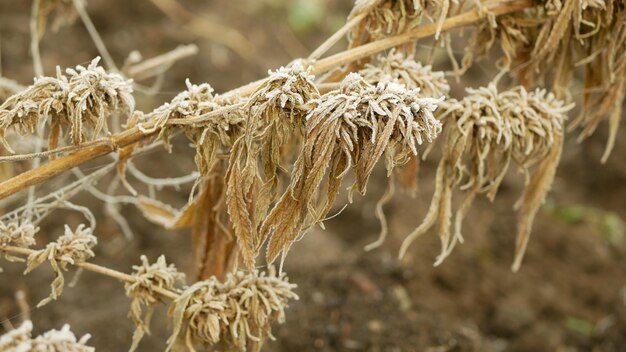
[(486, 131)]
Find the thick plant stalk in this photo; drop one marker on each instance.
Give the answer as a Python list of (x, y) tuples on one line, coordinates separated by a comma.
[(134, 135)]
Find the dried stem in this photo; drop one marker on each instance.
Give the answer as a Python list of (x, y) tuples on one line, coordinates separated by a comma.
[(333, 39), (35, 176), (94, 268), (155, 65), (93, 33)]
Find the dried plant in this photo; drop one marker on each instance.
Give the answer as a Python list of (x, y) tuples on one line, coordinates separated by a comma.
[(486, 131), (20, 340), (237, 312), (272, 156), (398, 68), (276, 117), (71, 248), (351, 127), (142, 294), (82, 96)]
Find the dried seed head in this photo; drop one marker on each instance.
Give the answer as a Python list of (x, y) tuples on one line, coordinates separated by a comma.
[(141, 292), (17, 340), (20, 340), (390, 17), (351, 127), (398, 68), (237, 312), (16, 233), (71, 248), (487, 130), (85, 96)]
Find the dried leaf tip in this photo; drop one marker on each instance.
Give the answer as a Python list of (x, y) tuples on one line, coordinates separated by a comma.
[(20, 340), (83, 96), (141, 292), (71, 248), (237, 312)]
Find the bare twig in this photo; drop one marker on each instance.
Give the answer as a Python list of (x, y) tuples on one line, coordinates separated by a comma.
[(96, 269), (155, 65), (95, 37)]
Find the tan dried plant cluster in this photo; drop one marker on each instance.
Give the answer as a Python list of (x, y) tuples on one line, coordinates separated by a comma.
[(236, 313), (81, 96), (141, 292), (486, 131), (384, 18), (350, 128), (272, 156), (64, 340), (548, 44), (74, 246)]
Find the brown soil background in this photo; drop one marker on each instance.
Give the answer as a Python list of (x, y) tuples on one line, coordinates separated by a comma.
[(569, 296)]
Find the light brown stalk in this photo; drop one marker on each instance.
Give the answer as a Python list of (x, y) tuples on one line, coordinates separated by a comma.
[(35, 176), (153, 66), (333, 39), (96, 269)]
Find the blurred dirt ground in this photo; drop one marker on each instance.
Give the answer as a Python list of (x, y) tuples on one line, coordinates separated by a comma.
[(569, 296)]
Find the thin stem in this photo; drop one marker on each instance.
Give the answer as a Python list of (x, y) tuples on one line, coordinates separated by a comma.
[(93, 33), (96, 269), (34, 38), (154, 66), (333, 39)]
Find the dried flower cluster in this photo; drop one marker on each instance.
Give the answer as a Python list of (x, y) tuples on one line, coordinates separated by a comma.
[(399, 68), (486, 131), (141, 292), (83, 96), (64, 340), (351, 127), (69, 249), (237, 312), (389, 17)]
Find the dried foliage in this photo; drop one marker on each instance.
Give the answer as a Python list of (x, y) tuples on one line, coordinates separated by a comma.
[(17, 233), (83, 96), (275, 121), (389, 17), (20, 340), (485, 132), (399, 68), (351, 127), (71, 248), (141, 292), (237, 313)]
